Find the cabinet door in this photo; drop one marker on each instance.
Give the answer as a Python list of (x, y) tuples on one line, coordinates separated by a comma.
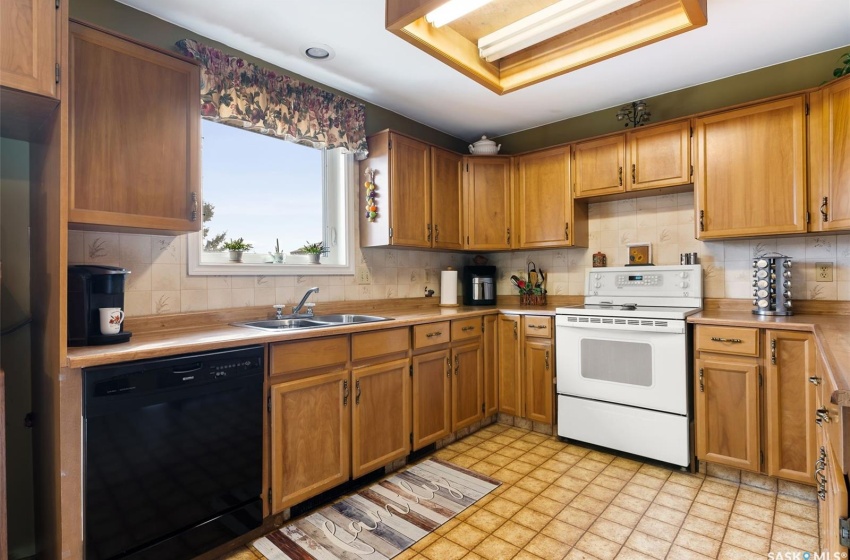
[(727, 417), (487, 202), (410, 192), (380, 431), (467, 389), (134, 147), (829, 161), (833, 503), (543, 201), (539, 374), (432, 395), (659, 156), (790, 405), (446, 199), (28, 46), (598, 166), (310, 430), (510, 374), (491, 361), (750, 176)]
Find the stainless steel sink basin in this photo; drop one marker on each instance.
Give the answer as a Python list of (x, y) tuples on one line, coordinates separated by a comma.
[(349, 319), (283, 324), (311, 322)]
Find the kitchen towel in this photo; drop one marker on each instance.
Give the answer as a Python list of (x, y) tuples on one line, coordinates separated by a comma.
[(448, 287)]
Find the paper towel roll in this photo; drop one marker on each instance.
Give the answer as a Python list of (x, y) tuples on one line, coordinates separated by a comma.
[(448, 287)]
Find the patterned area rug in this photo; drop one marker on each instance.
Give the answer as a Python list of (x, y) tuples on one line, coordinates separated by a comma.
[(382, 520)]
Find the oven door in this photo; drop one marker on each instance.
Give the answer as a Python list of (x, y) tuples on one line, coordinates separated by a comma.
[(635, 362)]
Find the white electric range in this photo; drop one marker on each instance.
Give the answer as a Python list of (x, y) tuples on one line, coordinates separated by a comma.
[(622, 361)]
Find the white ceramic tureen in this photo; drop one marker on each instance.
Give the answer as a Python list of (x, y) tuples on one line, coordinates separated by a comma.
[(484, 147)]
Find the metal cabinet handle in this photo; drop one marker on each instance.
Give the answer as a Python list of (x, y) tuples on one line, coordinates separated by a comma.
[(357, 397), (435, 333), (515, 333), (470, 328), (824, 209), (448, 367), (633, 174), (566, 231), (822, 416), (701, 381), (345, 393), (537, 326), (436, 232), (429, 232), (509, 236), (773, 351), (814, 380), (729, 340), (547, 360), (702, 220), (457, 363), (620, 175), (194, 215)]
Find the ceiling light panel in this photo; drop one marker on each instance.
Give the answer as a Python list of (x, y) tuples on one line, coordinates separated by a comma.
[(545, 24), (452, 10)]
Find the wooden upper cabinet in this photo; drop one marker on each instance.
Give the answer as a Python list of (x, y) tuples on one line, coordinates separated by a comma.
[(446, 199), (750, 170), (410, 194), (598, 166), (487, 202), (790, 405), (28, 49), (544, 206), (659, 156), (829, 157), (135, 128), (727, 412)]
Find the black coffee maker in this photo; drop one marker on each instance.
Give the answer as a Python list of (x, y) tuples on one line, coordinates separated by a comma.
[(91, 287), (479, 285)]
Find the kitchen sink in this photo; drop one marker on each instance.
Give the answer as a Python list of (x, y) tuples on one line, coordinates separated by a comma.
[(310, 322), (350, 319)]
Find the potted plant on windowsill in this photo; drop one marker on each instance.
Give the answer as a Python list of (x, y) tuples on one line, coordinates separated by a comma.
[(236, 248), (312, 251)]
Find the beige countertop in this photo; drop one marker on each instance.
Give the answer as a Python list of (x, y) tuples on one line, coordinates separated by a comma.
[(157, 343), (832, 335)]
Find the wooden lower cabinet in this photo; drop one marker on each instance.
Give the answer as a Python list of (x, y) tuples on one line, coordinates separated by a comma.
[(432, 390), (310, 437), (491, 361), (467, 390), (539, 372), (380, 425), (727, 413), (509, 366), (790, 405)]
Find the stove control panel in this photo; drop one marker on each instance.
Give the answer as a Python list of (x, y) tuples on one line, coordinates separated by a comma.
[(639, 283)]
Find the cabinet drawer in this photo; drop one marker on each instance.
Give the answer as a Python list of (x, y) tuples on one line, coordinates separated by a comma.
[(379, 343), (463, 329), (743, 341), (431, 334), (538, 326), (290, 357)]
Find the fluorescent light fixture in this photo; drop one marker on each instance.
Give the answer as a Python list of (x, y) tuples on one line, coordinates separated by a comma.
[(545, 24), (452, 10)]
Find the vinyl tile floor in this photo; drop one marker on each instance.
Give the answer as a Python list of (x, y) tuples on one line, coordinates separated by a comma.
[(560, 500)]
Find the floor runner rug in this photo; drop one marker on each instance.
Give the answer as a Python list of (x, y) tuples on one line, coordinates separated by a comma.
[(382, 520)]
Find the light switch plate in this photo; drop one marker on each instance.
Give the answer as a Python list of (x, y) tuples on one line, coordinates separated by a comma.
[(823, 271)]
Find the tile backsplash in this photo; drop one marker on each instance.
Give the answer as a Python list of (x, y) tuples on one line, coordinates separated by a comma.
[(159, 283)]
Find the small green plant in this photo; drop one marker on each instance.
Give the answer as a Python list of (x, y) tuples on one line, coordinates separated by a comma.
[(311, 249), (844, 69), (237, 245)]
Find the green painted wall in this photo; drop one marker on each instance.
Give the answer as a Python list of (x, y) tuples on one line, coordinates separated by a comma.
[(144, 27), (15, 347), (782, 78)]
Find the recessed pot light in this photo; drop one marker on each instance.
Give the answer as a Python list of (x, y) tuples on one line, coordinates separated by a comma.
[(318, 51)]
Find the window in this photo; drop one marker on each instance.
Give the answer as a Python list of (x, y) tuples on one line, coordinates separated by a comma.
[(271, 193)]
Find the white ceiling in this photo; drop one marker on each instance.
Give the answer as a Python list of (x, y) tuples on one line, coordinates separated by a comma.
[(373, 64)]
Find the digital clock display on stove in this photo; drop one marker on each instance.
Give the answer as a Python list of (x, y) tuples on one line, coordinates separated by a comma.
[(633, 278)]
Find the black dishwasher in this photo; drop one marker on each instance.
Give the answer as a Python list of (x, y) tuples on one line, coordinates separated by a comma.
[(172, 454)]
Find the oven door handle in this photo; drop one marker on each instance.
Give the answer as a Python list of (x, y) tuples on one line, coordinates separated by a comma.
[(671, 327)]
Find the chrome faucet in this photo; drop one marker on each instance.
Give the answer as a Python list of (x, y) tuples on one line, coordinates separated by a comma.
[(297, 308)]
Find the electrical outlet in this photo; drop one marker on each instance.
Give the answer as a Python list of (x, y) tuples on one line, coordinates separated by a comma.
[(363, 275), (823, 272)]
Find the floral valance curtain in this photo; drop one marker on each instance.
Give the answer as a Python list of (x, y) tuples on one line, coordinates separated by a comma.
[(243, 94)]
